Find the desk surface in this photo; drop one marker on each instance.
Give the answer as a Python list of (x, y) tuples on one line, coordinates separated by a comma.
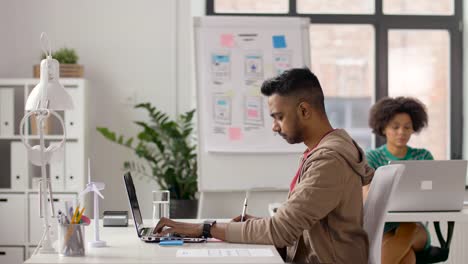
[(461, 216), (123, 246)]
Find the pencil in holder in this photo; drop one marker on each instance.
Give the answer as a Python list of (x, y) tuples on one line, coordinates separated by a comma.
[(71, 239)]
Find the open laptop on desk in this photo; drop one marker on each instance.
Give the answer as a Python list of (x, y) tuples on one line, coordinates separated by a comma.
[(430, 185), (146, 233)]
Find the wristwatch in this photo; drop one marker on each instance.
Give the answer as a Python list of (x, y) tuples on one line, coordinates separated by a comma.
[(207, 224)]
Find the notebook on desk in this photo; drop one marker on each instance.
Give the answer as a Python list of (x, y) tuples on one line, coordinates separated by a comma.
[(430, 185), (146, 233)]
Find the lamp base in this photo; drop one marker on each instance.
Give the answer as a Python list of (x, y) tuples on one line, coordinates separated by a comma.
[(45, 246), (97, 244), (47, 250)]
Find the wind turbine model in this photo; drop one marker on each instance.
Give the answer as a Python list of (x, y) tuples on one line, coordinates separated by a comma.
[(95, 187)]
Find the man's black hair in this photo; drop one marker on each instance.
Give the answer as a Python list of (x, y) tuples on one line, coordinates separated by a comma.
[(300, 83)]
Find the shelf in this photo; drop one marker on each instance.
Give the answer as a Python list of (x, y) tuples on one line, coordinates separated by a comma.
[(18, 175), (35, 81), (33, 191), (46, 137), (10, 191)]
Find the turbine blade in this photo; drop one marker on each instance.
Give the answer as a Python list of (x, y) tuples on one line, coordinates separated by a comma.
[(86, 190), (97, 191), (99, 185)]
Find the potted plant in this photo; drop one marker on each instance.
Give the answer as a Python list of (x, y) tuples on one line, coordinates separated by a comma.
[(69, 67), (169, 156)]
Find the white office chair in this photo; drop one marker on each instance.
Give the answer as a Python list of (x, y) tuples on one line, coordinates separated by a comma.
[(383, 184)]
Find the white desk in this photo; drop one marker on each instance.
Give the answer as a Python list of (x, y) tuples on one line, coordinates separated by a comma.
[(461, 216), (123, 246), (458, 254)]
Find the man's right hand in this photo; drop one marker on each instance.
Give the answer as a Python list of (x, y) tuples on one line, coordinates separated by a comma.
[(246, 217)]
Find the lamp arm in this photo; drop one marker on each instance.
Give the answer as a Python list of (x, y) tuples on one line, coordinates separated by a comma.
[(45, 184)]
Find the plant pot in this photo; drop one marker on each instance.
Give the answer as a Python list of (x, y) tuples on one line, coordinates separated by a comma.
[(183, 209), (66, 71)]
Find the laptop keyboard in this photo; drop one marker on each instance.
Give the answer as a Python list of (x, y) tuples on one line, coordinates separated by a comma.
[(147, 231)]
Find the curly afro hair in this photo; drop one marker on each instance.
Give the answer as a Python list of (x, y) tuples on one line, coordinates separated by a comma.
[(386, 108)]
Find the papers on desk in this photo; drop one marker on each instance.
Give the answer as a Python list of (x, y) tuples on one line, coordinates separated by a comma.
[(229, 252)]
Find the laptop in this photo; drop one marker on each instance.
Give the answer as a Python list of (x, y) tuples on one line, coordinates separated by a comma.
[(146, 233), (430, 185)]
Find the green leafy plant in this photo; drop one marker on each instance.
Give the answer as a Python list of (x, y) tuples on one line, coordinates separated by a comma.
[(64, 56), (167, 148)]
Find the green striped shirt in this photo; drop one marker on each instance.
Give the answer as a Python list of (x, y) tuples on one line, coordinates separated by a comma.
[(381, 156)]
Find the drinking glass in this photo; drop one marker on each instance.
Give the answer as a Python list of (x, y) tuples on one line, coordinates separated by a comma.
[(161, 200)]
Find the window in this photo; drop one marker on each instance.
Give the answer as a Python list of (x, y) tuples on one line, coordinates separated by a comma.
[(425, 54), (335, 7), (420, 7), (248, 6), (363, 50), (343, 58)]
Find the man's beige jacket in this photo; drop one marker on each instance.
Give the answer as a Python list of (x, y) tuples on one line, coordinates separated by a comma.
[(322, 220)]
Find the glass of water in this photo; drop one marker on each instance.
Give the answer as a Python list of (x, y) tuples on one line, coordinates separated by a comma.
[(160, 204)]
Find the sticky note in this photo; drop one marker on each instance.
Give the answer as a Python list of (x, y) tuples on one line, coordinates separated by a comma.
[(230, 93), (227, 40), (221, 58), (279, 42), (252, 113), (235, 133), (222, 102)]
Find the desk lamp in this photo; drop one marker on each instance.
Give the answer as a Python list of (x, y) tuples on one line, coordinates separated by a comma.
[(46, 98)]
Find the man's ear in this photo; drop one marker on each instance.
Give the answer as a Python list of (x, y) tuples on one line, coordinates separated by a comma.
[(304, 110)]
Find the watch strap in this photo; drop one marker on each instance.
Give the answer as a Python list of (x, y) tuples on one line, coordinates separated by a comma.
[(207, 228)]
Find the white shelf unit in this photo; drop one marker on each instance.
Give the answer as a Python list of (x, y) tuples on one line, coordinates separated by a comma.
[(20, 225)]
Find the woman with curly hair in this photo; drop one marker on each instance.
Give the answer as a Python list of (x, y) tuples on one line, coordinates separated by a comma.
[(397, 119)]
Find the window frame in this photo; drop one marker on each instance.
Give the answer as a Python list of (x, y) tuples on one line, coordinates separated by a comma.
[(382, 23)]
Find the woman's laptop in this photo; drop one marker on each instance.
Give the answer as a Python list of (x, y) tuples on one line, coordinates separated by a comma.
[(430, 185), (146, 233)]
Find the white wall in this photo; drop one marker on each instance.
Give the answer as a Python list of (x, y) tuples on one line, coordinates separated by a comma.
[(137, 49), (465, 87)]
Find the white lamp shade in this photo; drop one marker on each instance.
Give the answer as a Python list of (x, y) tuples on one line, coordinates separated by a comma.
[(56, 95)]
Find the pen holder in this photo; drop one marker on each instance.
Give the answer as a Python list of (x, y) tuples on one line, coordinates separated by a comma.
[(71, 239)]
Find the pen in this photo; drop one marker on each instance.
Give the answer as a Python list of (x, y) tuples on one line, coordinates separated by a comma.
[(244, 209), (80, 214), (75, 215)]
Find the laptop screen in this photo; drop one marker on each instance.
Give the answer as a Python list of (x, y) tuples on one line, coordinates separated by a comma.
[(133, 201)]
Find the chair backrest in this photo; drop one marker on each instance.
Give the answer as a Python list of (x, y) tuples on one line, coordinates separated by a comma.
[(383, 184)]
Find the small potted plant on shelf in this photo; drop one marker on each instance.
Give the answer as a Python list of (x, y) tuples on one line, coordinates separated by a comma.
[(69, 67), (170, 158)]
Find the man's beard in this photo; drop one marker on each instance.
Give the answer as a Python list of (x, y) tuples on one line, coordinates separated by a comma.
[(294, 139)]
